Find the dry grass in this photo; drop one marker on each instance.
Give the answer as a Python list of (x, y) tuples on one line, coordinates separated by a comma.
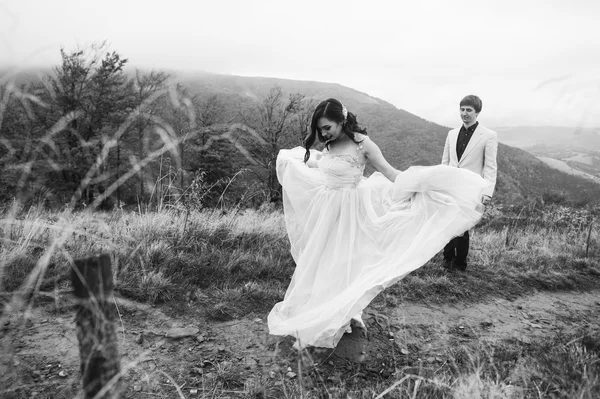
[(156, 256), (237, 264), (509, 261), (241, 259)]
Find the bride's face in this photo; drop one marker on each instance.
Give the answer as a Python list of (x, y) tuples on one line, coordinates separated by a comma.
[(329, 129)]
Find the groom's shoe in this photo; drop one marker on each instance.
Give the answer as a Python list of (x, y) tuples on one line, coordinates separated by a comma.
[(447, 264), (460, 265)]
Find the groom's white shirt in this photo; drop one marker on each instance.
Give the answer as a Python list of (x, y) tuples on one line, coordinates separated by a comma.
[(479, 156)]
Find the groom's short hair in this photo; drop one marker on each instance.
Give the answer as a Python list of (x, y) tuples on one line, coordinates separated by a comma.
[(473, 101)]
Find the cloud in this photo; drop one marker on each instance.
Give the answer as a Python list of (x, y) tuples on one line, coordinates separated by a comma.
[(523, 58)]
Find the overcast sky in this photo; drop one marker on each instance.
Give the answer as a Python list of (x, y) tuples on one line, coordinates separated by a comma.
[(533, 62)]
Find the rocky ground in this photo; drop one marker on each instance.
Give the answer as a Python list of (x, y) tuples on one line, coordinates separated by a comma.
[(170, 352)]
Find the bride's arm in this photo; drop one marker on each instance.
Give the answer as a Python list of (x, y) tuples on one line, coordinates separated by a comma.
[(373, 154)]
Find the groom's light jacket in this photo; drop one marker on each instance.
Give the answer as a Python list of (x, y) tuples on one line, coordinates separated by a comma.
[(479, 156)]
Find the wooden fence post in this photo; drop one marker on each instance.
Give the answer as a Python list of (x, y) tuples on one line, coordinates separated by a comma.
[(95, 318)]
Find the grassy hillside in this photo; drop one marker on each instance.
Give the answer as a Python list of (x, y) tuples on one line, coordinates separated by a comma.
[(221, 272)]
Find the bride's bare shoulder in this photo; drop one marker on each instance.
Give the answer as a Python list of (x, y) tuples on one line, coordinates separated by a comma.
[(365, 141)]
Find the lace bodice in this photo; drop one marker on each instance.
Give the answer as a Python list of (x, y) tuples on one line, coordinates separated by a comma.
[(341, 170)]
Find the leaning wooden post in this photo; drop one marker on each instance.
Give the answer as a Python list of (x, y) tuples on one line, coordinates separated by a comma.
[(99, 355)]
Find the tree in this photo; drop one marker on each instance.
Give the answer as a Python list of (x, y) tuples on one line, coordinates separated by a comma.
[(101, 92), (25, 141), (15, 140), (150, 95), (181, 123), (304, 119), (208, 154), (209, 111), (273, 120)]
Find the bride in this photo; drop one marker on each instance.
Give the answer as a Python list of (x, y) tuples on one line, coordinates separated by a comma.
[(351, 236)]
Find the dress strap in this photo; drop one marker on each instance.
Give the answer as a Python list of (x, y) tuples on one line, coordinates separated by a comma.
[(359, 146)]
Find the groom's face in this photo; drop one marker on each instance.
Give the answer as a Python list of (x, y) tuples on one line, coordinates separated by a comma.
[(468, 115)]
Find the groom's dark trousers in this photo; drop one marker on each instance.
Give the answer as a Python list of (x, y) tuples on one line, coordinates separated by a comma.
[(457, 250)]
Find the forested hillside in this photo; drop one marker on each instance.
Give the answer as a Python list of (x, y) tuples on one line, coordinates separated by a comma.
[(407, 139), (94, 131)]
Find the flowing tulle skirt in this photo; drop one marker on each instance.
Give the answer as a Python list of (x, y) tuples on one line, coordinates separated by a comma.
[(351, 243)]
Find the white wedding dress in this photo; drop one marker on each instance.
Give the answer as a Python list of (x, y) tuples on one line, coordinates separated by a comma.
[(351, 236)]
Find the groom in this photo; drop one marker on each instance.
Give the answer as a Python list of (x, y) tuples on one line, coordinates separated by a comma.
[(471, 147)]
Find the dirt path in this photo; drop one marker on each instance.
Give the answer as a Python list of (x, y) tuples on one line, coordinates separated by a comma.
[(525, 318), (241, 356)]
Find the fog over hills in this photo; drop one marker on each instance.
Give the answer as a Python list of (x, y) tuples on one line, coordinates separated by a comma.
[(407, 139), (530, 136), (572, 150)]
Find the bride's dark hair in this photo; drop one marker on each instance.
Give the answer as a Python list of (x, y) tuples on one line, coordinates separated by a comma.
[(331, 109)]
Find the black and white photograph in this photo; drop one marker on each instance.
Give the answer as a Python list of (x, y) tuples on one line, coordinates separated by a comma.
[(295, 200)]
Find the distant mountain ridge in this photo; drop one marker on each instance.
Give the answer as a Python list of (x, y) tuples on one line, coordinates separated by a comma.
[(405, 139), (572, 150)]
